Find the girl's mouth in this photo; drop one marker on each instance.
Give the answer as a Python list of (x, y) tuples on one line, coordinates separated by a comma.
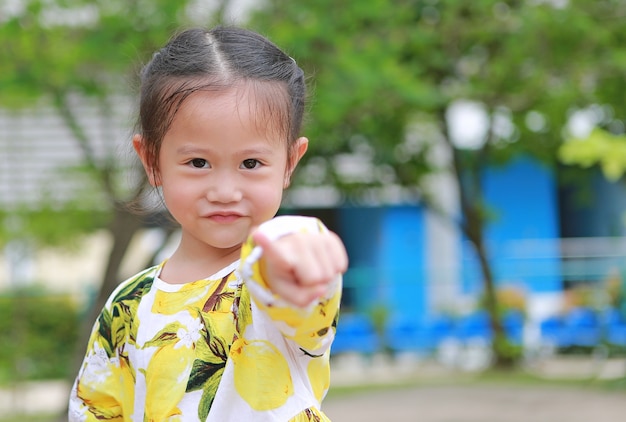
[(224, 217)]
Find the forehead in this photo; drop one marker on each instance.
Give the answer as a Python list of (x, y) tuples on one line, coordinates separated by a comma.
[(263, 106)]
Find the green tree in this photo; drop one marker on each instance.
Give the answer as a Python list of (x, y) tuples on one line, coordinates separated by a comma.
[(606, 110), (387, 74), (600, 147), (54, 52)]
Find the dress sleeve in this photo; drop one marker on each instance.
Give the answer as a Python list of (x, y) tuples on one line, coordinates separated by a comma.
[(98, 391), (312, 326)]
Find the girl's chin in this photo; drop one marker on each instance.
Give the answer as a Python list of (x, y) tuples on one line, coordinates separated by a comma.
[(215, 242)]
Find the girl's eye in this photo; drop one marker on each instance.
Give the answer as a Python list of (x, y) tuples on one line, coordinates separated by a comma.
[(199, 163), (250, 163)]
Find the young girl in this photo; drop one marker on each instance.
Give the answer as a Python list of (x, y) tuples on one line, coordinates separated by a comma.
[(237, 324)]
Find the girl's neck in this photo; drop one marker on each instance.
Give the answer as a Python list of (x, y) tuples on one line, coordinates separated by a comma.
[(186, 265)]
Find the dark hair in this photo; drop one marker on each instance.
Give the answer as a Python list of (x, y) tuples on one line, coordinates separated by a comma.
[(216, 60)]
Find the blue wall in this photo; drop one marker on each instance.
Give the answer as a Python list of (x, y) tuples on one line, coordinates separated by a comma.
[(388, 251), (359, 228), (593, 207), (522, 238), (402, 263), (386, 248)]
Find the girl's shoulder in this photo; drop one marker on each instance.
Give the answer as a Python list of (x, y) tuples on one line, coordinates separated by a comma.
[(135, 287)]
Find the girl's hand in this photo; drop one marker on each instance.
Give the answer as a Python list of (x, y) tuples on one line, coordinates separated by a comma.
[(299, 266)]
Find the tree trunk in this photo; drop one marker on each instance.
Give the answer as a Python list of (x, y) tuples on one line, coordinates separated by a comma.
[(123, 228), (503, 359), (472, 225)]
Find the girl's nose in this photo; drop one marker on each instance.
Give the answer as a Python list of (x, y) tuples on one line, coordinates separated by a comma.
[(224, 189)]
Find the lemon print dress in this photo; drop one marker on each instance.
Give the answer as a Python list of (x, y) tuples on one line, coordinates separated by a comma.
[(219, 349)]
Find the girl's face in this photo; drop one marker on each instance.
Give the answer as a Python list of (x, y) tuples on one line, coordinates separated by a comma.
[(221, 173)]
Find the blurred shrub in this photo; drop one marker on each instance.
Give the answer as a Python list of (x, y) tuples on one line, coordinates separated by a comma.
[(615, 287), (379, 315), (508, 298), (38, 334), (583, 295), (512, 298)]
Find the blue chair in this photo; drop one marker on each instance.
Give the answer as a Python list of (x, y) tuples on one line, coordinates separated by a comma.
[(513, 324), (442, 328), (553, 332), (616, 335), (614, 327), (403, 334), (355, 333), (584, 327), (475, 326)]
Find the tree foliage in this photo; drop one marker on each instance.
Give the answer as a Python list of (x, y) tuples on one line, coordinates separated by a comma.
[(31, 326), (603, 143), (387, 74), (55, 52), (385, 77), (599, 148), (379, 66)]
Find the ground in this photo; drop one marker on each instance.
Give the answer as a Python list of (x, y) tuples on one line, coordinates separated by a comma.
[(553, 390), (562, 389), (479, 403)]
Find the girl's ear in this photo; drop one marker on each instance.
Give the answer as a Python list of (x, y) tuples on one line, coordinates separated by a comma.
[(140, 148), (295, 154)]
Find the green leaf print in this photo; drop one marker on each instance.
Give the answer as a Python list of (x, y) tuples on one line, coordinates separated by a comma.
[(219, 348), (118, 327), (214, 348), (201, 373), (104, 331), (116, 322), (167, 335), (208, 395), (136, 288), (243, 309)]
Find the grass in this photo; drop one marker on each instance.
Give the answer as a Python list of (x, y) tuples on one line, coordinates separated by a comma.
[(513, 378), (29, 418)]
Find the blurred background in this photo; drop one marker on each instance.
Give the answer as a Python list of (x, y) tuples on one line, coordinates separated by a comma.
[(470, 154)]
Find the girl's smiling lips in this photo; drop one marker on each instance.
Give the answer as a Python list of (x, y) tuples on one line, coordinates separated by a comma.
[(224, 217)]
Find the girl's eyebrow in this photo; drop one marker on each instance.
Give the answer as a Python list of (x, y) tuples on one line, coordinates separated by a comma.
[(257, 151), (191, 150)]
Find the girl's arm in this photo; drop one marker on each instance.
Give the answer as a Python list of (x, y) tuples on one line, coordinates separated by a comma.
[(104, 388), (293, 266), (96, 394)]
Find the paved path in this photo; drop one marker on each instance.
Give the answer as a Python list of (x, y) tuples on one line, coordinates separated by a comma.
[(448, 396), (474, 403)]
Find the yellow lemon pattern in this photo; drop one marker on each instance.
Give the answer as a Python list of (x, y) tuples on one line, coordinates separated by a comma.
[(166, 381), (211, 350), (318, 371), (261, 360)]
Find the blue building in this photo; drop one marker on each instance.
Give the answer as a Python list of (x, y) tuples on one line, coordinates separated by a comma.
[(407, 260)]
